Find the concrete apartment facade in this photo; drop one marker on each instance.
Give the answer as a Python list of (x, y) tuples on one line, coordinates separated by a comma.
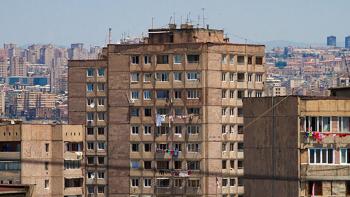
[(47, 157), (298, 148), (171, 112)]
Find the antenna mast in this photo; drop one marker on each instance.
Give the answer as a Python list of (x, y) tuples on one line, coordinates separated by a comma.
[(109, 35), (203, 17)]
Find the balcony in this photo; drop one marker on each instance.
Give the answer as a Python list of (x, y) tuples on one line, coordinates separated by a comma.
[(10, 155)]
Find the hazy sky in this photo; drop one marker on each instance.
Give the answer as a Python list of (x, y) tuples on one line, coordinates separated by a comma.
[(67, 21)]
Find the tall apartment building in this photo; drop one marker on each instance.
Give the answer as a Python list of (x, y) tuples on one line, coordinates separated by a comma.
[(332, 41), (347, 42), (300, 147), (169, 109), (48, 157)]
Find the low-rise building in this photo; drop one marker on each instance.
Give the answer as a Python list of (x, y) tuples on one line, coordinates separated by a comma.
[(45, 156)]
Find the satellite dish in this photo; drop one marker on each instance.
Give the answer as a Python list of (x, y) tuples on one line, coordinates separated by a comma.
[(92, 105)]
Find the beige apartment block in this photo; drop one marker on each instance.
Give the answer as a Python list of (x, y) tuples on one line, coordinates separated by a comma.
[(300, 147), (47, 157), (170, 110)]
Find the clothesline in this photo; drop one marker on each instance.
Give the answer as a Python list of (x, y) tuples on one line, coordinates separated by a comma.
[(319, 136)]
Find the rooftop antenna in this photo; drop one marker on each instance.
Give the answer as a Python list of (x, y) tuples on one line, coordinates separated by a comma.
[(152, 21), (171, 17), (174, 18), (109, 35), (203, 17), (199, 18)]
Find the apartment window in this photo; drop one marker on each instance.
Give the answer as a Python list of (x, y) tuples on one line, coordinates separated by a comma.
[(164, 76), (232, 111), (101, 146), (321, 124), (249, 77), (194, 183), (147, 77), (193, 110), (90, 72), (177, 94), (223, 111), (240, 77), (47, 147), (162, 94), (101, 116), (71, 164), (232, 94), (232, 128), (177, 164), (223, 76), (250, 93), (90, 160), (223, 146), (240, 59), (135, 112), (177, 59), (178, 111), (344, 124), (73, 146), (134, 147), (90, 130), (163, 182), (223, 94), (100, 101), (193, 165), (100, 87), (147, 147), (147, 130), (89, 87), (224, 182), (192, 94), (259, 60), (177, 182), (193, 129), (232, 164), (162, 111), (101, 160), (9, 165), (232, 146), (101, 175), (192, 147), (223, 164), (146, 59), (134, 182), (162, 59), (232, 59), (162, 146), (258, 94), (101, 130), (177, 76), (46, 184), (240, 181), (147, 165), (73, 182), (240, 94), (101, 189), (315, 188), (90, 102), (347, 183), (232, 77), (135, 77), (240, 112), (147, 95), (223, 129), (178, 146), (135, 95), (240, 164), (240, 129), (178, 129), (258, 77), (193, 76), (192, 59), (321, 156), (163, 165), (101, 72), (223, 59), (90, 189), (240, 147), (147, 182), (345, 156), (135, 59), (163, 130), (148, 112), (90, 146), (232, 182), (135, 164)]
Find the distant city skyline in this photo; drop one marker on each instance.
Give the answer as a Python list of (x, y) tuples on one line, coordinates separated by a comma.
[(64, 22)]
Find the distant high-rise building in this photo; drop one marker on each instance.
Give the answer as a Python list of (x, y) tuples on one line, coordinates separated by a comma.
[(332, 41), (347, 42)]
